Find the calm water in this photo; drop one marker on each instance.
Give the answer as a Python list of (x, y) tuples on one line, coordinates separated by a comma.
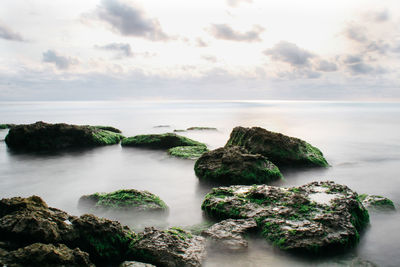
[(360, 140)]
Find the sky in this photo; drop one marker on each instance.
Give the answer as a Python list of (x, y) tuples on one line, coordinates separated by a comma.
[(199, 50)]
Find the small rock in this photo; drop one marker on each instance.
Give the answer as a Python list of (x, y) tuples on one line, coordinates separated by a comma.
[(378, 203), (159, 141), (135, 264), (201, 129), (187, 152)]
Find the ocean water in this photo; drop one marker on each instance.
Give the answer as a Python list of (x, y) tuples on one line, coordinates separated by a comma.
[(361, 141)]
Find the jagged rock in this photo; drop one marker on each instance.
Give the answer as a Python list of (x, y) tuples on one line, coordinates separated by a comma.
[(378, 203), (125, 199), (229, 234), (46, 255), (159, 141), (170, 248), (42, 136), (187, 152), (280, 149), (135, 264), (234, 165), (319, 217)]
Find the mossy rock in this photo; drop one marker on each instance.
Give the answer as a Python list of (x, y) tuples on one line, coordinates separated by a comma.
[(234, 165), (108, 128), (6, 126), (316, 218), (41, 136), (377, 203), (197, 128), (159, 141), (280, 149), (125, 199), (187, 152)]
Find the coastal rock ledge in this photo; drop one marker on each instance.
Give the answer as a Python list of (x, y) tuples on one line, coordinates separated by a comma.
[(316, 218)]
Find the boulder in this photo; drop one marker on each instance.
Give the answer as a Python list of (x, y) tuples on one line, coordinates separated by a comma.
[(280, 149), (316, 218), (170, 248), (6, 126), (187, 152), (108, 128), (125, 199), (377, 203), (42, 136), (234, 165), (159, 141), (135, 264)]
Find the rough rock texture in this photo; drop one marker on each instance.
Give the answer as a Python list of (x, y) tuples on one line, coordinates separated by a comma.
[(187, 152), (42, 136), (280, 149), (125, 199), (229, 234), (378, 203), (135, 264), (319, 217), (40, 255), (171, 248), (159, 141), (234, 165)]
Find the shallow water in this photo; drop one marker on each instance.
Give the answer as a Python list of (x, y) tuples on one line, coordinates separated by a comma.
[(360, 141)]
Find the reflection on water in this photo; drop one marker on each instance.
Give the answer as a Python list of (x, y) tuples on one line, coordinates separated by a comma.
[(360, 141)]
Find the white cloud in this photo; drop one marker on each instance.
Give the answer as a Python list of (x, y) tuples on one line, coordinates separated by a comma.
[(225, 32)]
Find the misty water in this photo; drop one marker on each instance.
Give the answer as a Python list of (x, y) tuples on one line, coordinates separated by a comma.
[(361, 142)]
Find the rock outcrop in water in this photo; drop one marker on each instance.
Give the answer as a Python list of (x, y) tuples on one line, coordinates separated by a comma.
[(41, 136), (377, 203), (159, 141), (123, 200), (316, 218), (280, 149), (6, 126), (187, 152), (234, 165)]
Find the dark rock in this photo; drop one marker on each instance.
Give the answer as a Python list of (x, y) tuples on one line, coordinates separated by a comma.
[(171, 248), (135, 264), (159, 141), (107, 128), (377, 203), (179, 131), (234, 165), (201, 129), (42, 136), (6, 126), (316, 218), (187, 152), (282, 150), (229, 234), (161, 126)]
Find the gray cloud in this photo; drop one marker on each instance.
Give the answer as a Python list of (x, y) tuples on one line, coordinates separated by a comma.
[(379, 16), (326, 66), (61, 62), (234, 3), (201, 43), (289, 53), (351, 59), (225, 32), (360, 68), (124, 49), (356, 33), (8, 34), (130, 21)]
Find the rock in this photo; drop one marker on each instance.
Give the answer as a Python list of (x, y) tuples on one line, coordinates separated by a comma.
[(125, 199), (187, 152), (159, 141), (280, 149), (135, 264), (171, 248), (201, 129), (229, 234), (234, 165), (39, 254), (6, 126), (161, 126), (42, 136), (179, 130), (377, 203), (316, 218), (108, 128)]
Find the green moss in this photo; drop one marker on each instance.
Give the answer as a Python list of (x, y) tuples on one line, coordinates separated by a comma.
[(187, 152), (160, 141), (362, 197), (3, 126), (315, 156), (107, 128), (104, 137), (179, 232)]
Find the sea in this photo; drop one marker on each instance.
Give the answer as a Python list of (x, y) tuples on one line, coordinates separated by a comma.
[(360, 140)]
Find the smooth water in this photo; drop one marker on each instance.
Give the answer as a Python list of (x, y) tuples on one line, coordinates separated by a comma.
[(360, 140)]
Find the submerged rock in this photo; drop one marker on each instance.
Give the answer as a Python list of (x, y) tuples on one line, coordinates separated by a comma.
[(159, 141), (125, 199), (201, 129), (319, 217), (234, 165), (282, 150), (170, 248), (42, 136), (375, 202), (187, 152)]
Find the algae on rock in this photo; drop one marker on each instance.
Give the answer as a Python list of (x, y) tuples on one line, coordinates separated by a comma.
[(159, 141), (187, 152), (377, 203)]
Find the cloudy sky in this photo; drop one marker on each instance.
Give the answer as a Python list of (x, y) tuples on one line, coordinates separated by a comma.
[(208, 49)]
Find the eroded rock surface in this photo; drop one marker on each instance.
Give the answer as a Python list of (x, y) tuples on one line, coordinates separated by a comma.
[(187, 152), (377, 203)]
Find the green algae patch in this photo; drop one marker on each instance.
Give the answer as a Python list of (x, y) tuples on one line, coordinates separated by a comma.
[(187, 152), (159, 141), (377, 203), (107, 128), (105, 137)]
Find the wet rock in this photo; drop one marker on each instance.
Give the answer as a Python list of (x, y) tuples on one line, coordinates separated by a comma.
[(316, 218), (377, 203), (38, 254), (6, 126), (135, 264), (171, 248), (280, 149), (229, 234), (201, 129), (159, 141), (42, 136), (107, 128), (187, 152), (125, 199), (234, 165)]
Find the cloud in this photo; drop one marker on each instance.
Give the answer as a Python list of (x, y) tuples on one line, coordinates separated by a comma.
[(201, 43), (61, 62), (8, 34), (210, 58), (351, 59), (356, 33), (289, 53), (378, 16), (360, 68), (234, 3), (225, 32), (130, 21), (121, 48), (326, 66)]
